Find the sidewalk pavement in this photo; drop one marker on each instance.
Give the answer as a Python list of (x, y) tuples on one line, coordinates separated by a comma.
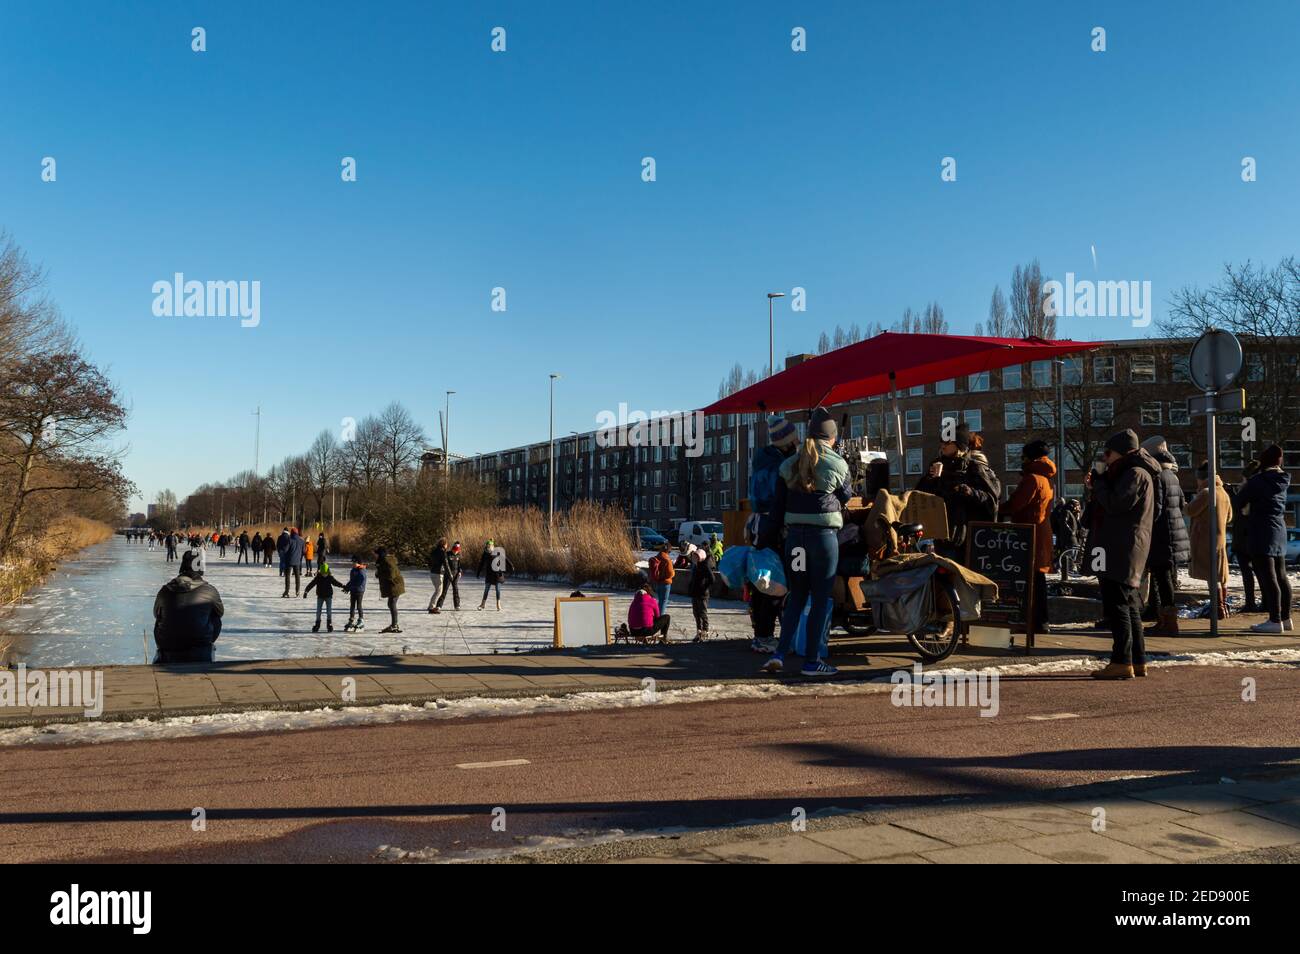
[(133, 692), (1156, 824)]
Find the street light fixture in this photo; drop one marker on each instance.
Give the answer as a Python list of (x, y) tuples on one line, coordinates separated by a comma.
[(446, 437), (550, 496)]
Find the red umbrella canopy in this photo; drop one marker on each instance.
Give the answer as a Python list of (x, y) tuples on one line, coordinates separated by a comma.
[(863, 370)]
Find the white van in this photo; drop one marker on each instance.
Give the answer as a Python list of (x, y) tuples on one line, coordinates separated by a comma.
[(698, 532)]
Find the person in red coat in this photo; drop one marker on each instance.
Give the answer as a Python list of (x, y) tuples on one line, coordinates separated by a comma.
[(1032, 503)]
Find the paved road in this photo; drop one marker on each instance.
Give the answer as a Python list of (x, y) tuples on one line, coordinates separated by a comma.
[(339, 794)]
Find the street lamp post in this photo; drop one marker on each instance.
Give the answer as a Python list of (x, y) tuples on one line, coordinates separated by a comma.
[(446, 437), (550, 496), (1060, 427), (576, 441), (771, 334)]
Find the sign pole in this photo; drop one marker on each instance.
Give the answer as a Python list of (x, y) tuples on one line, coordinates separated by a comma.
[(1212, 458)]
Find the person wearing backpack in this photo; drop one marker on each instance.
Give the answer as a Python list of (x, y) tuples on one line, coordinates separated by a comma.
[(765, 470)]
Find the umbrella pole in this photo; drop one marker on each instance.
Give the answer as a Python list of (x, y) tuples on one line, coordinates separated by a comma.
[(898, 434)]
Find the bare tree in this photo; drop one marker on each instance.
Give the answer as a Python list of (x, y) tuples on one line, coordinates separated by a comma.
[(401, 442), (1028, 316), (322, 465), (823, 344), (56, 410), (932, 321), (999, 321)]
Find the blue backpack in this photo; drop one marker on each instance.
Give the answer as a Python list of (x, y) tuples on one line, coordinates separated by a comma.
[(764, 472)]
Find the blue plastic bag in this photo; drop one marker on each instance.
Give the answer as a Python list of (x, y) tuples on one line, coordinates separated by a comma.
[(732, 566), (765, 573)]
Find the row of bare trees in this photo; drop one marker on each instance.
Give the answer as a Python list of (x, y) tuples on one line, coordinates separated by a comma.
[(338, 477), (58, 414)]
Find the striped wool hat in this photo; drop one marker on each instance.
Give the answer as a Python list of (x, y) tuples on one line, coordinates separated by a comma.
[(781, 432)]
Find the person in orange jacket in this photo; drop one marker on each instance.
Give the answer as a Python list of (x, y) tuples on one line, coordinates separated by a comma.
[(308, 552), (1032, 503), (661, 575)]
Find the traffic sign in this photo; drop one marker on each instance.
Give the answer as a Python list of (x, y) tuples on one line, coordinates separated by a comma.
[(1216, 360), (1225, 402)]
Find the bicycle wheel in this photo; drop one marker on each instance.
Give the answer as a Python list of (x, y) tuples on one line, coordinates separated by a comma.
[(930, 640)]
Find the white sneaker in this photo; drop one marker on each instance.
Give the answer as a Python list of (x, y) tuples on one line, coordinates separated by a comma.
[(1268, 626)]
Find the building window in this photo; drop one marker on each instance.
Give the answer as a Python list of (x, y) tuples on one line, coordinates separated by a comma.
[(725, 470), (706, 473), (978, 382), (916, 390), (1291, 454), (1180, 368), (672, 502), (1178, 414), (914, 462), (856, 424), (1142, 369), (602, 484), (1183, 454), (659, 454), (1230, 455), (724, 444), (1103, 370), (1254, 367), (1014, 457), (974, 419), (1151, 414), (708, 447), (1044, 415), (659, 501), (1072, 370), (1042, 373), (1013, 416), (948, 386), (1101, 411), (912, 422), (708, 500), (724, 499), (1011, 377)]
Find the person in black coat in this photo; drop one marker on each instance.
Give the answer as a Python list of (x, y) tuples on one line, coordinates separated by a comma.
[(282, 544), (1240, 549), (1122, 510), (243, 556), (493, 565), (702, 577), (1170, 543), (1263, 497), (450, 577), (187, 617), (968, 486), (437, 566)]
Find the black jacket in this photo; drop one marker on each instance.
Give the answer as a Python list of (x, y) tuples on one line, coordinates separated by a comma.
[(968, 487), (451, 565), (187, 614), (1265, 495), (1123, 510), (702, 577), (324, 584), (437, 560), (1171, 544), (485, 568)]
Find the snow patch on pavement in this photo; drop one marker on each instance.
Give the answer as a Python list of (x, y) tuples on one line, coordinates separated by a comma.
[(176, 727)]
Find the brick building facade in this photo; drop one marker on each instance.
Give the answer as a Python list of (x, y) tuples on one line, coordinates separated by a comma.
[(1140, 383)]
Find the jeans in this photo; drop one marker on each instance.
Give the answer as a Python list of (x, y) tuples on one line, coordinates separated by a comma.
[(354, 607), (816, 580), (1123, 607), (328, 603), (295, 572), (764, 610), (658, 628), (450, 584), (700, 607), (392, 609), (437, 589), (662, 592), (488, 586), (1274, 586)]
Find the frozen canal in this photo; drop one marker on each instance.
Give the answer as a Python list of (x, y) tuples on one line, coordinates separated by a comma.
[(97, 610)]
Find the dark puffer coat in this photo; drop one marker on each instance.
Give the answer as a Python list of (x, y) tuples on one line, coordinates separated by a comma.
[(1121, 512), (1170, 543)]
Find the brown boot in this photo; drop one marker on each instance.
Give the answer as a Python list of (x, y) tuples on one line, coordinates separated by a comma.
[(1114, 671), (1167, 624), (1140, 669)]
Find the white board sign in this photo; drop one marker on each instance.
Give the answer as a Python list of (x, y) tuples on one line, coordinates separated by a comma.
[(581, 621)]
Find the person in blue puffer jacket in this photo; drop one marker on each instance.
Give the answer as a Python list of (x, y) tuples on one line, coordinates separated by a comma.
[(813, 489), (1263, 497)]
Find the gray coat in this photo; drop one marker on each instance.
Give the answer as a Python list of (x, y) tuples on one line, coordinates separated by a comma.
[(1123, 504)]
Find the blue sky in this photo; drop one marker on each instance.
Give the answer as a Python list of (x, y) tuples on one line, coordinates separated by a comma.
[(522, 169)]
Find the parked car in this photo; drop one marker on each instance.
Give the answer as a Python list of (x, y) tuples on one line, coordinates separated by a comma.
[(646, 538), (698, 532)]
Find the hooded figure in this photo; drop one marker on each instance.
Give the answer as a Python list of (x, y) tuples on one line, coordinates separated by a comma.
[(187, 619)]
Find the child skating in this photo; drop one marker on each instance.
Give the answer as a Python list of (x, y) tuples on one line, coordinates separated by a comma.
[(356, 589), (324, 584)]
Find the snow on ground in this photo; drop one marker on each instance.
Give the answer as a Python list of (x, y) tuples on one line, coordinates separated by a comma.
[(98, 609), (481, 706)]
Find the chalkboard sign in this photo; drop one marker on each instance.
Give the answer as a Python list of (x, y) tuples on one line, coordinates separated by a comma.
[(1004, 552)]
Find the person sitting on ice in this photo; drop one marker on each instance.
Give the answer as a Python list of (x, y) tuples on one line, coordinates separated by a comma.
[(187, 617)]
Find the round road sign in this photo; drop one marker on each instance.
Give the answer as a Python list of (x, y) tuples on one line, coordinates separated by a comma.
[(1216, 360)]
